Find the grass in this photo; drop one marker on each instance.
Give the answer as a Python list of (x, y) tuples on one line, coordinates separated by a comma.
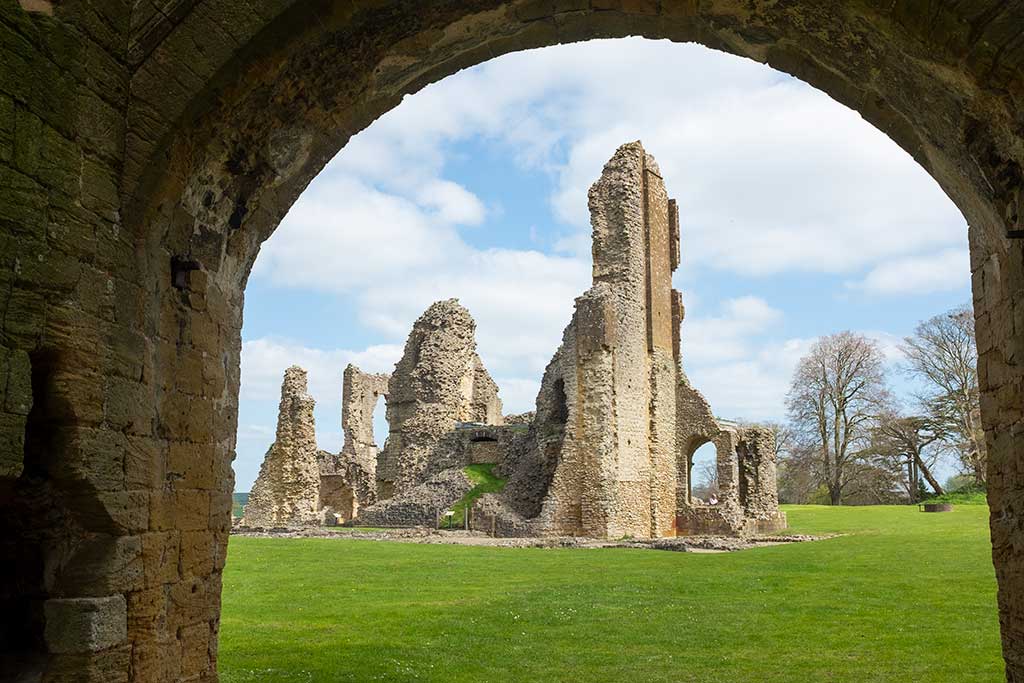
[(960, 498), (484, 481), (903, 596)]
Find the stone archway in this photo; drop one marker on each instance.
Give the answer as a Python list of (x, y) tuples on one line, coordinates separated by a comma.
[(154, 151)]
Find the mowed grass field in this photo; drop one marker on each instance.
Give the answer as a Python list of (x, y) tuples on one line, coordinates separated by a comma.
[(903, 596)]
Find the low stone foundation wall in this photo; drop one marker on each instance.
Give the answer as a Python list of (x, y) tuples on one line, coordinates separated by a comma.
[(420, 505), (701, 520)]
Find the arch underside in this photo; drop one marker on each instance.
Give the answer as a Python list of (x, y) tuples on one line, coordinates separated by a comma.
[(197, 127)]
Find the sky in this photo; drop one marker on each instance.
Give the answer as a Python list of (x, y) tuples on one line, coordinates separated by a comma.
[(798, 219)]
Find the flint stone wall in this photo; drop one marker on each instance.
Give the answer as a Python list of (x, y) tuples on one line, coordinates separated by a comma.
[(609, 451), (606, 410)]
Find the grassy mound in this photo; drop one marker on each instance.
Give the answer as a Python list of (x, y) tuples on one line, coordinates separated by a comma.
[(484, 481)]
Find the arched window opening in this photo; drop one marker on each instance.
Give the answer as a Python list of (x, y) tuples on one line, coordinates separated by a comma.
[(704, 474)]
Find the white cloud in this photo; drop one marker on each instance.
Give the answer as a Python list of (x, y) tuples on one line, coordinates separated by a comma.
[(943, 271), (265, 360), (518, 395), (346, 235), (454, 204), (727, 336), (729, 360), (772, 175)]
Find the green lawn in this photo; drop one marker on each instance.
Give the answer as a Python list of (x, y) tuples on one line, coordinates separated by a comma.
[(905, 596)]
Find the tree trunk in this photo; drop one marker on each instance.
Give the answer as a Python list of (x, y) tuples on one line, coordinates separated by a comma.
[(835, 495), (928, 475)]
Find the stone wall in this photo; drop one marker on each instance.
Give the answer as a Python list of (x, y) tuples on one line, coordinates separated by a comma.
[(609, 451), (359, 396), (759, 492), (606, 412), (438, 383), (287, 490), (419, 505)]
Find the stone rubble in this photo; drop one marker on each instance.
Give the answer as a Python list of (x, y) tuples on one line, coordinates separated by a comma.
[(433, 536)]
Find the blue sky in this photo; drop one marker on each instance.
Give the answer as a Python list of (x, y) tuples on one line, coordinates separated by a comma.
[(798, 219)]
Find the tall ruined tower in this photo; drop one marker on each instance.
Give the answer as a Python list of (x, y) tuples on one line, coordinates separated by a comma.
[(618, 367), (617, 421)]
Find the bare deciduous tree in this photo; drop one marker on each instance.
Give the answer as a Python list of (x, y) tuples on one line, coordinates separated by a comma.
[(942, 352), (837, 390), (911, 444)]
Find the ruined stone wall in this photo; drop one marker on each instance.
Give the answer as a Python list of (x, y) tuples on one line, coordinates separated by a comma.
[(359, 396), (607, 407), (348, 479), (617, 421), (438, 382), (347, 485), (484, 405), (287, 490), (758, 485), (421, 504)]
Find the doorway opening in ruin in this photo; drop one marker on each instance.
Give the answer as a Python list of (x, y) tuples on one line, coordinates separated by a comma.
[(703, 479), (380, 422)]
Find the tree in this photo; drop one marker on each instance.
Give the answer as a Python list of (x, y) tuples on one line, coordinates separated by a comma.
[(706, 479), (910, 443), (798, 475), (943, 354), (837, 390)]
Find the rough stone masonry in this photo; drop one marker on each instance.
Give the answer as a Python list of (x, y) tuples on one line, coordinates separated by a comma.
[(608, 451), (438, 383), (287, 490), (348, 479), (617, 421)]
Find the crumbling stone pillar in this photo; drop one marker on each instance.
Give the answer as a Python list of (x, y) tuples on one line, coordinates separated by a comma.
[(616, 372), (758, 484), (287, 490), (439, 382)]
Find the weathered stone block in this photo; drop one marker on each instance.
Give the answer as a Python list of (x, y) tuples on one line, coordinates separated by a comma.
[(103, 565), (28, 140), (198, 552), (190, 464), (160, 555), (18, 376), (195, 656), (85, 624)]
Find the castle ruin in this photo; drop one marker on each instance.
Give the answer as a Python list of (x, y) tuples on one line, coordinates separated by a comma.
[(608, 451)]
